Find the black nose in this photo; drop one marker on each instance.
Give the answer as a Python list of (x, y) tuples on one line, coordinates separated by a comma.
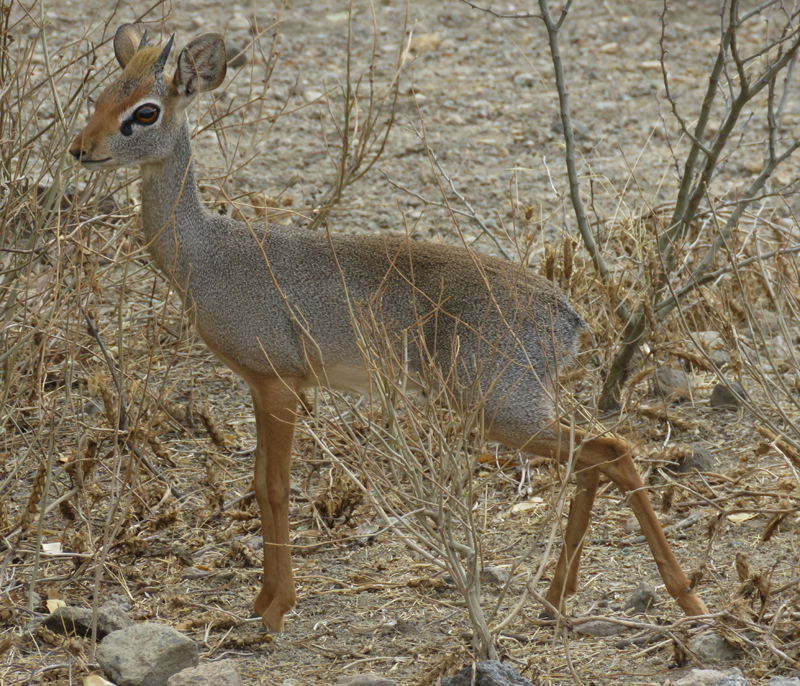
[(77, 150)]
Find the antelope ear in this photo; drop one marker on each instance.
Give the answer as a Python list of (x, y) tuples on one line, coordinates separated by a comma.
[(127, 42), (201, 65)]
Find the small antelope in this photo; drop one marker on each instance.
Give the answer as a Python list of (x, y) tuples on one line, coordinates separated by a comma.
[(275, 304)]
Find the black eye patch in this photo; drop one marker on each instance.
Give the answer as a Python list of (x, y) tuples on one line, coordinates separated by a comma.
[(144, 115)]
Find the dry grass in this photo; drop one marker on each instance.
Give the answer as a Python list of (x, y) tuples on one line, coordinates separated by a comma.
[(127, 446)]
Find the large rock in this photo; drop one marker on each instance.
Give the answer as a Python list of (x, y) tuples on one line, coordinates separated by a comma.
[(145, 655), (77, 621), (672, 383), (222, 673), (487, 673), (642, 599), (701, 459), (727, 397), (368, 679), (713, 647), (706, 677)]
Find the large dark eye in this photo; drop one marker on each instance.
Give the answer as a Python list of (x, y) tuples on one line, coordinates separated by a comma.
[(146, 114)]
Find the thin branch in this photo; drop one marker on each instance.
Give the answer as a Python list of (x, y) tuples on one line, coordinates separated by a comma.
[(569, 139), (502, 15)]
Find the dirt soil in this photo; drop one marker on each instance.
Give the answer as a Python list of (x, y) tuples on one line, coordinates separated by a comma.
[(482, 90)]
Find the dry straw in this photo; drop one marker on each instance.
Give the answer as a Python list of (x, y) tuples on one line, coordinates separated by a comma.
[(102, 383)]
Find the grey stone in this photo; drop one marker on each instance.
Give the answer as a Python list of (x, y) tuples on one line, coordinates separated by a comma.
[(642, 598), (672, 383), (701, 459), (713, 647), (145, 654), (222, 673), (767, 321), (113, 614), (714, 346), (235, 55), (70, 621), (77, 621), (706, 677), (600, 628), (368, 679), (524, 80), (487, 673), (731, 680), (779, 348), (783, 681), (496, 576), (580, 131), (723, 397), (238, 23)]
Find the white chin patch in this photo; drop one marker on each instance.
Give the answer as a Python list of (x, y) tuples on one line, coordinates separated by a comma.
[(104, 164)]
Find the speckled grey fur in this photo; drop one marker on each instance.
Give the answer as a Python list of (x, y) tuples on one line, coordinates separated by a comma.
[(288, 302), (288, 307), (242, 281)]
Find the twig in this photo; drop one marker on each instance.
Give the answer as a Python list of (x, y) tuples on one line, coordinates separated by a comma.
[(122, 420), (778, 441), (567, 655), (470, 211), (502, 15), (569, 140)]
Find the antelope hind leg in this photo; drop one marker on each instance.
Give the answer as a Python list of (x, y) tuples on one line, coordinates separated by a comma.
[(612, 457), (565, 578)]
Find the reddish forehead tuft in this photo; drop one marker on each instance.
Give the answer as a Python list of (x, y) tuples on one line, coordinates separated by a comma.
[(138, 80), (142, 63), (125, 93)]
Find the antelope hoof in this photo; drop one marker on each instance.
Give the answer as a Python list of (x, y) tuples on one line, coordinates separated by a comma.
[(692, 604), (262, 603), (273, 618)]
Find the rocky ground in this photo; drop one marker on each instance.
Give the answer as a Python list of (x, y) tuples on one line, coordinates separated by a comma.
[(476, 124)]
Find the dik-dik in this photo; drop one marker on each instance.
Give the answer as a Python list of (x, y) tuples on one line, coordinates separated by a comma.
[(276, 305)]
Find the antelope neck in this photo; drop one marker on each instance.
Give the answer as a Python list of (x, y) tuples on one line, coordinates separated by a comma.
[(173, 216)]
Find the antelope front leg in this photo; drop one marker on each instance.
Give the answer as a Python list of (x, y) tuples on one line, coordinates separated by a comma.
[(275, 405)]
